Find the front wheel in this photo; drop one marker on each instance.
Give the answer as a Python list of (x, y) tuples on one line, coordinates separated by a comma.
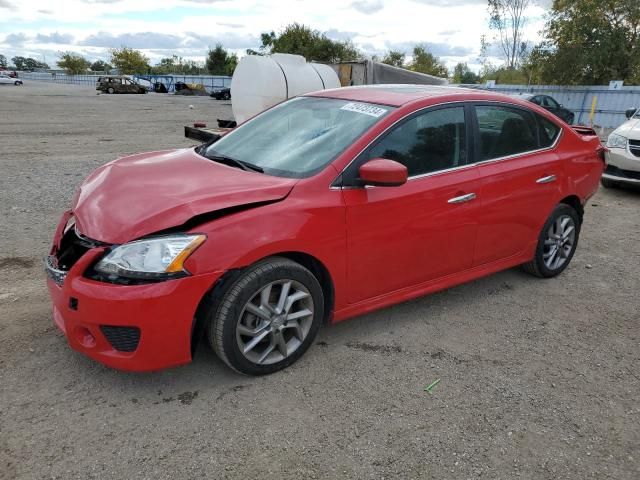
[(18, 83), (267, 318), (556, 244), (110, 90)]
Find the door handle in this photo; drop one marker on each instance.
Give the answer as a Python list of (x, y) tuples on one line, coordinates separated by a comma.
[(547, 179), (463, 198)]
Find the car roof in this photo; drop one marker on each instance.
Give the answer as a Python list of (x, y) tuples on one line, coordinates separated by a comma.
[(398, 95)]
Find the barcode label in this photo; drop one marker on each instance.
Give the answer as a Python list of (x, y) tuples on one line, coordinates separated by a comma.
[(364, 109)]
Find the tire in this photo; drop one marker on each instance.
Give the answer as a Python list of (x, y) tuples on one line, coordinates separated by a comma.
[(17, 83), (606, 183), (544, 263), (231, 327), (226, 96), (110, 90)]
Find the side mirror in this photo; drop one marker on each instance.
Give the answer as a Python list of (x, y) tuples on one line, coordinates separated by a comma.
[(382, 172), (629, 113)]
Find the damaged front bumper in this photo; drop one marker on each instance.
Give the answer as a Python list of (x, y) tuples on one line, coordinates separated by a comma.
[(129, 327)]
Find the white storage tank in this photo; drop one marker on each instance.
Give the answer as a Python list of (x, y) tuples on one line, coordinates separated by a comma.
[(261, 82)]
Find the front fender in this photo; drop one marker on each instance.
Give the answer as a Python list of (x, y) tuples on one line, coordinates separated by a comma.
[(313, 225)]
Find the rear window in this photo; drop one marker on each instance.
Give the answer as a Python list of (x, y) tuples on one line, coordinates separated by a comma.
[(549, 131)]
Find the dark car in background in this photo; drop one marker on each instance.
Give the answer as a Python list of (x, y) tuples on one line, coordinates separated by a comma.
[(221, 93), (119, 84), (550, 104)]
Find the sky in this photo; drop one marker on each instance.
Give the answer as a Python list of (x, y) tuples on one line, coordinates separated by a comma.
[(451, 29)]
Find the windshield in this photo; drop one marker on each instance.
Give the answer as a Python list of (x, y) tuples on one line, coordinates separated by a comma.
[(300, 137)]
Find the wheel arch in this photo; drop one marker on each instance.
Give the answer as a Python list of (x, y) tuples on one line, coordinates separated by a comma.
[(311, 263), (574, 202)]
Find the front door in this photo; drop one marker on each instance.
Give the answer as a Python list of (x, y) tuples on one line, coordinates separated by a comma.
[(398, 237)]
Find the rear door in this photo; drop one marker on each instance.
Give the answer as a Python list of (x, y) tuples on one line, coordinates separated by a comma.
[(402, 236), (521, 178)]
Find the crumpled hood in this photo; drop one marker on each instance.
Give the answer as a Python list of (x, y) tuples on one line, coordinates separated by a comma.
[(145, 193), (629, 129)]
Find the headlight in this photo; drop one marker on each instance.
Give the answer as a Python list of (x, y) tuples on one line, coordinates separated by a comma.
[(157, 258), (616, 141)]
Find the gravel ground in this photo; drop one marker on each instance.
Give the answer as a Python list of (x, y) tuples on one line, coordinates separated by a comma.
[(538, 379)]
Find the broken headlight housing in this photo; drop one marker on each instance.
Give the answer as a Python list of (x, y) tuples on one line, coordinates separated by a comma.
[(616, 141), (152, 259)]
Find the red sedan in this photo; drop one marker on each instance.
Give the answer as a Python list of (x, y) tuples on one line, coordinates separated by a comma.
[(324, 207)]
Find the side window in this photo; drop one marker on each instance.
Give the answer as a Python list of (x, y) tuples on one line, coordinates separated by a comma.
[(429, 142), (505, 131), (549, 131), (551, 103), (536, 100)]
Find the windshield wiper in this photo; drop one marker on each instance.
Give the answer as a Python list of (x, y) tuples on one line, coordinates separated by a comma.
[(249, 167)]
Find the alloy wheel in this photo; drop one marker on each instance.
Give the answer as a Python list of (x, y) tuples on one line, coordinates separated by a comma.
[(558, 245), (275, 322)]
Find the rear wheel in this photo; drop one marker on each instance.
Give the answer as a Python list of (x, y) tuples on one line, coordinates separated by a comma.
[(110, 90), (606, 183), (17, 83), (267, 318), (556, 244), (226, 96)]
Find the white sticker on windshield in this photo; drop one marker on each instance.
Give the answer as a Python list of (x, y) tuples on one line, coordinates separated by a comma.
[(364, 109)]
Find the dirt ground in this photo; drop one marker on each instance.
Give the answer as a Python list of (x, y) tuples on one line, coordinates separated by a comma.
[(539, 379)]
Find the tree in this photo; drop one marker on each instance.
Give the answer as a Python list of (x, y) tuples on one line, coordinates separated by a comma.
[(507, 17), (463, 74), (20, 63), (176, 64), (3, 61), (394, 58), (72, 63), (425, 62), (311, 44), (509, 76), (589, 42), (28, 64), (100, 66), (232, 63), (218, 61), (221, 62), (129, 61)]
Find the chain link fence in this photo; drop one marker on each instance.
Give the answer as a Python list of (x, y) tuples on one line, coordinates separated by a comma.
[(210, 82)]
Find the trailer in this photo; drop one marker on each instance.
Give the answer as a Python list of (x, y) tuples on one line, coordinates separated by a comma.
[(200, 132)]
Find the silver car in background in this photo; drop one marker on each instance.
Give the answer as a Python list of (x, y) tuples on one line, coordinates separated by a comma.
[(623, 156), (7, 80)]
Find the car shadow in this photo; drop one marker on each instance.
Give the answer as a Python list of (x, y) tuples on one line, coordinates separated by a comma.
[(209, 378)]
